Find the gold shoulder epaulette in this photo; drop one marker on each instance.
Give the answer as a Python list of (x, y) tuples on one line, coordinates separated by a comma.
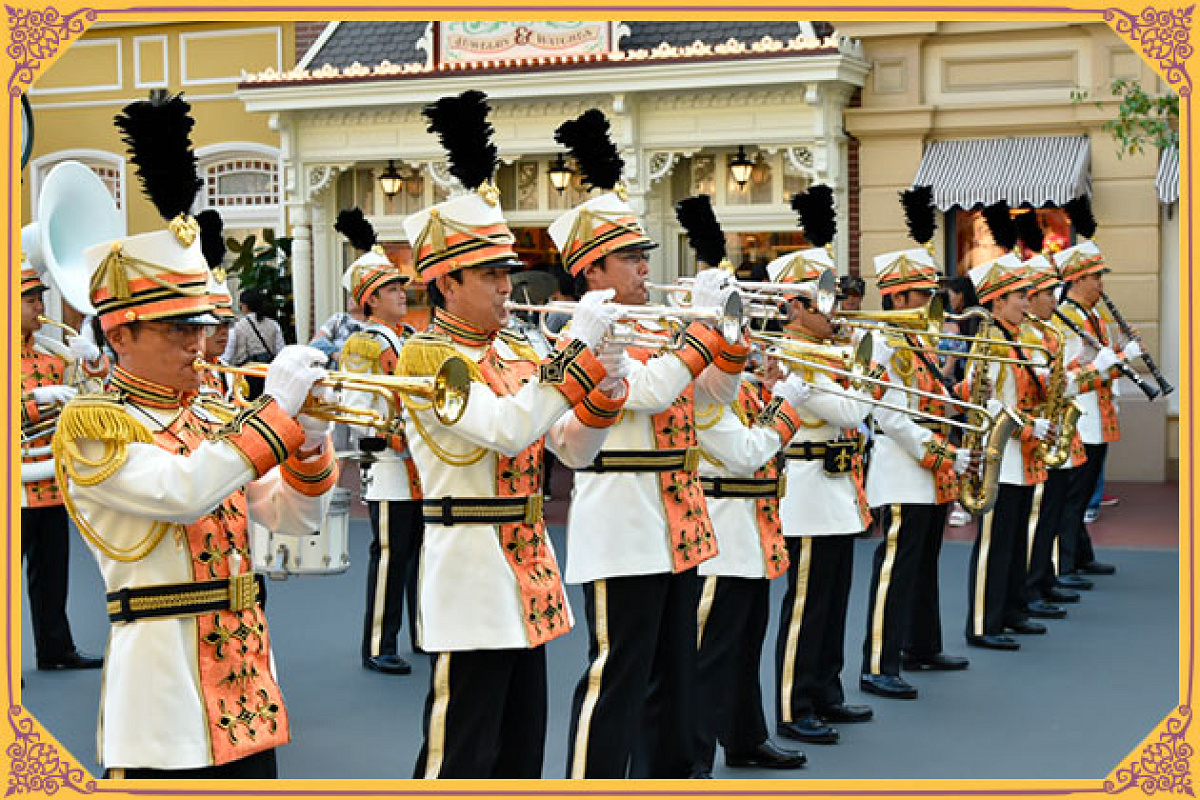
[(708, 416), (360, 353), (99, 417), (520, 345), (424, 353)]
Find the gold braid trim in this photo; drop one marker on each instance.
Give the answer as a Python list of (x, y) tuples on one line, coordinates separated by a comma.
[(423, 355), (114, 273), (708, 416), (101, 418), (520, 346)]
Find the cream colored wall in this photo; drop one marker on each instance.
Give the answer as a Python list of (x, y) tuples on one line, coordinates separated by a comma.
[(75, 100), (934, 81)]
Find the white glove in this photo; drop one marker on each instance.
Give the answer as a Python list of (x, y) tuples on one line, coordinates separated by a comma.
[(316, 431), (53, 395), (711, 288), (1105, 359), (994, 406), (962, 460), (82, 349), (593, 317), (1041, 429), (881, 351), (794, 391), (292, 374), (1132, 350)]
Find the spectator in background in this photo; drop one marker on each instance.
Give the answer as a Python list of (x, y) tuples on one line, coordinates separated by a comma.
[(851, 289), (256, 337), (334, 332)]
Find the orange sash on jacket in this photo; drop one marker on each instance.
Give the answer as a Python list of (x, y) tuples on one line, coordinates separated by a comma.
[(242, 702), (39, 369), (775, 556), (945, 481)]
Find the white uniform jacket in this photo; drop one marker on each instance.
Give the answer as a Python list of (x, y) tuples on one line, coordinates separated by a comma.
[(896, 474), (469, 595), (817, 503)]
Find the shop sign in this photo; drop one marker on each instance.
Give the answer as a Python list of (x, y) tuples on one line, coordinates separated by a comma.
[(479, 41)]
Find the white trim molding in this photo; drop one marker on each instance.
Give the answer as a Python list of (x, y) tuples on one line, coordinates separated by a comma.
[(184, 38), (108, 87), (138, 83)]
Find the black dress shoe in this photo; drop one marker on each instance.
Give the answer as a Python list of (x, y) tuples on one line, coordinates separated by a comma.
[(1043, 610), (72, 660), (841, 712), (768, 755), (938, 661), (994, 641), (1056, 595), (809, 729), (891, 686), (1097, 568), (388, 664), (1073, 581), (1025, 626)]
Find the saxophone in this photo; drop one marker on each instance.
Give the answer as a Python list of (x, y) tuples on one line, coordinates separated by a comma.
[(979, 489), (1058, 409)]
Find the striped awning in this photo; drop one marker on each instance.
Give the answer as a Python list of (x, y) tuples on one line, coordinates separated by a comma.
[(1167, 179), (1019, 169)]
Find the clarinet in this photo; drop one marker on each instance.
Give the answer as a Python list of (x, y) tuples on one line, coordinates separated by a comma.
[(1163, 383), (1147, 388)]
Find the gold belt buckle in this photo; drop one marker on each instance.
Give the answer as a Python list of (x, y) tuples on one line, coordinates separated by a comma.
[(691, 459), (533, 508), (243, 591)]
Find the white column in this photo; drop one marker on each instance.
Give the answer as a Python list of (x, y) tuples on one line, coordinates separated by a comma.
[(302, 271)]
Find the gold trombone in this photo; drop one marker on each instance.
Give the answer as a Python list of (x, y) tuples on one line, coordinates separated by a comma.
[(448, 391)]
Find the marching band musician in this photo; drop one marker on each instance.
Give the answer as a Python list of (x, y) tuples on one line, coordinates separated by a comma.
[(491, 595), (638, 526), (391, 486), (212, 244), (742, 485), (824, 511), (45, 547), (1082, 268), (1042, 592), (914, 474), (159, 482), (996, 585)]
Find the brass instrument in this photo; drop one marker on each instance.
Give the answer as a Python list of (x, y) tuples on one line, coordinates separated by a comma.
[(858, 361), (763, 295), (728, 319), (1062, 412), (447, 391), (73, 376), (979, 488)]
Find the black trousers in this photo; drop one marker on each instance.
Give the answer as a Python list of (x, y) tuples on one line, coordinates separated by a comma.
[(46, 552), (258, 766), (997, 568), (634, 709), (1050, 509), (485, 715), (810, 647), (1075, 545), (904, 606), (396, 532), (732, 625)]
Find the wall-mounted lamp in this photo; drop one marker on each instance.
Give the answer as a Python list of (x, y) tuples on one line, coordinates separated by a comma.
[(560, 174), (741, 167), (390, 180)]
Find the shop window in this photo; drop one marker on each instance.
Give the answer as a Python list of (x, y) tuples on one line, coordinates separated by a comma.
[(756, 191), (518, 185), (241, 181), (107, 169), (703, 172), (573, 195), (411, 197), (971, 242), (749, 252)]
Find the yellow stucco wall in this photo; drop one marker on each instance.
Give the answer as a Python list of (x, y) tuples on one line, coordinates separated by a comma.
[(75, 100)]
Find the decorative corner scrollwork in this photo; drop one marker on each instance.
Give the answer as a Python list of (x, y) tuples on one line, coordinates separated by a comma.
[(1163, 766), (36, 766), (1163, 36), (320, 178), (35, 35)]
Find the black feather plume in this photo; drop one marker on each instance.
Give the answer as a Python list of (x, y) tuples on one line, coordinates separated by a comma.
[(212, 239), (157, 132), (1000, 223), (1079, 210), (1030, 232), (919, 213), (704, 233), (462, 126), (354, 226), (587, 139), (817, 216)]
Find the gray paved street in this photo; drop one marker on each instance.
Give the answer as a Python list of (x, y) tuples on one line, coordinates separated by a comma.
[(1070, 705)]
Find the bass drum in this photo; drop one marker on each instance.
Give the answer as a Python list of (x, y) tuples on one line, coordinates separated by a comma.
[(326, 552)]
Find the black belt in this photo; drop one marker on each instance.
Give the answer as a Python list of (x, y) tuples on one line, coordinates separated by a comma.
[(837, 454), (686, 460), (236, 593), (744, 488), (523, 510)]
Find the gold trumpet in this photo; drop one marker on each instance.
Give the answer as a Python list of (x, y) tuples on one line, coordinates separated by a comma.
[(447, 391), (764, 295), (64, 327)]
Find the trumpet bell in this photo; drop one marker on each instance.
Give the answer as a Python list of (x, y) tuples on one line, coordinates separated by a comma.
[(451, 390)]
